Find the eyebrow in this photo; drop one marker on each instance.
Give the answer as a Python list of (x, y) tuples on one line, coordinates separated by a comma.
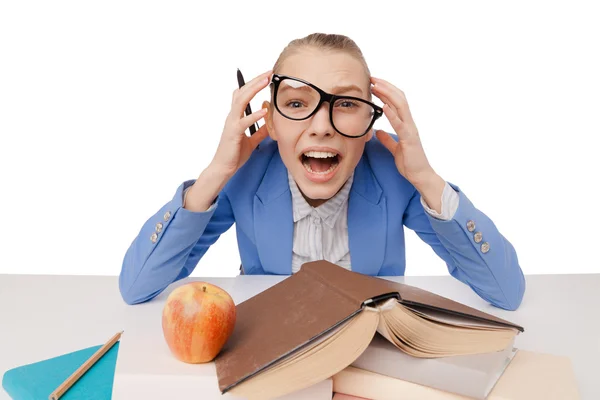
[(288, 87), (334, 90), (345, 89)]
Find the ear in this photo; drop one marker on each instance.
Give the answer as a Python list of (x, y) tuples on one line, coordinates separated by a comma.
[(269, 119)]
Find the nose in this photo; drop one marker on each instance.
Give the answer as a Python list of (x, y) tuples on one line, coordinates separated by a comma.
[(320, 123)]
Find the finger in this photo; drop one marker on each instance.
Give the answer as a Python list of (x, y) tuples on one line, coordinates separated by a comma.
[(242, 96), (395, 121), (387, 141), (258, 80), (395, 95), (258, 136), (384, 99), (251, 119)]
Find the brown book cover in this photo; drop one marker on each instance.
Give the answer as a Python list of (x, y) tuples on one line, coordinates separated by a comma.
[(308, 305)]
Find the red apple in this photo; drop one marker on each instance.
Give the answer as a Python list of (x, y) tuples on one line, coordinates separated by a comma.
[(197, 319)]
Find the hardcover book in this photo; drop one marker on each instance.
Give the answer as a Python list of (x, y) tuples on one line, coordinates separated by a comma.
[(318, 321)]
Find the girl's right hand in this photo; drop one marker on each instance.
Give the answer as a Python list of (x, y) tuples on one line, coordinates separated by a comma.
[(235, 147)]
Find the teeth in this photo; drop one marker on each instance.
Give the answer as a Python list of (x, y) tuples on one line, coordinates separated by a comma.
[(309, 169), (319, 154)]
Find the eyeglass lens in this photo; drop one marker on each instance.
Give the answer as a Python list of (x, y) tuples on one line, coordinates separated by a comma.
[(296, 100)]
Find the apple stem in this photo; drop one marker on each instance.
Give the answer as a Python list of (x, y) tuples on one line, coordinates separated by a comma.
[(204, 288)]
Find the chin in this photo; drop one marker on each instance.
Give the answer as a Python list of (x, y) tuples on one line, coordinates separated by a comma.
[(319, 191)]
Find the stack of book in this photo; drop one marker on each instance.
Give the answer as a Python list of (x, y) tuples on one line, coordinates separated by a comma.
[(372, 336), (528, 376)]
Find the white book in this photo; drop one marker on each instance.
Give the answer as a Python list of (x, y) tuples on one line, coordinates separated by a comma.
[(146, 369), (529, 376), (473, 376)]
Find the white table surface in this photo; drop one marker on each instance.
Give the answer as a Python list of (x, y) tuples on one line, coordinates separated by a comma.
[(47, 315)]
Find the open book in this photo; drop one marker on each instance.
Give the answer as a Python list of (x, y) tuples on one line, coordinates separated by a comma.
[(318, 321)]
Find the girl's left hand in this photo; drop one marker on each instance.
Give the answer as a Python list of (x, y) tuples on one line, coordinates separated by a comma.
[(408, 152)]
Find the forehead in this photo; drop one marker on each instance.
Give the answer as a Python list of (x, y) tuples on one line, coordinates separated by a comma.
[(326, 69)]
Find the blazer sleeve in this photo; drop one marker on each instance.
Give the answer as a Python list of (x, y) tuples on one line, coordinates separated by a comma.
[(474, 250), (170, 244)]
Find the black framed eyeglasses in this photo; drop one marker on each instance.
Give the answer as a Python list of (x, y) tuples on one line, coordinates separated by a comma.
[(299, 100)]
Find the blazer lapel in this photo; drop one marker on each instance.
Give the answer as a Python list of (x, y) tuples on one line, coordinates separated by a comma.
[(273, 220), (367, 221)]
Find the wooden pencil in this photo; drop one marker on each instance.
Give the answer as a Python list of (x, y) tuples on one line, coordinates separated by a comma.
[(70, 381)]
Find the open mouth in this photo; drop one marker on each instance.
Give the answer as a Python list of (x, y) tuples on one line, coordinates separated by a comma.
[(320, 162)]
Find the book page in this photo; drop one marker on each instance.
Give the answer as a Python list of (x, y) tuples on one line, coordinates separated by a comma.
[(418, 335), (453, 319), (361, 383)]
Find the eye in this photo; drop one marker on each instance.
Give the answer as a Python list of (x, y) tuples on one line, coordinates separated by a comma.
[(294, 104), (346, 104)]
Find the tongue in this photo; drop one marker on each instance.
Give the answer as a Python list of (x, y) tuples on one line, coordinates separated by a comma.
[(320, 164)]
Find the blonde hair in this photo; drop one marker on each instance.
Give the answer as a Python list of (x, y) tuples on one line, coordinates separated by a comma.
[(322, 41)]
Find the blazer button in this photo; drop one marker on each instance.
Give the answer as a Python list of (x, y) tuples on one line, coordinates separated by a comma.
[(485, 247), (159, 227), (478, 237), (167, 215), (471, 226), (154, 237)]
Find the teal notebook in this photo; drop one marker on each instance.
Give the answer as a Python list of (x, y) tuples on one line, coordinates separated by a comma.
[(36, 381)]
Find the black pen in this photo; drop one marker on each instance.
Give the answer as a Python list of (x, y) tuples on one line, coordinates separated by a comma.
[(241, 83)]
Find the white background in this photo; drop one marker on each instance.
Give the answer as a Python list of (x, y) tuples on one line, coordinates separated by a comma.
[(106, 107)]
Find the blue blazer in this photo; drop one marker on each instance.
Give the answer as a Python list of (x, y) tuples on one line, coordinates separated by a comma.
[(381, 203)]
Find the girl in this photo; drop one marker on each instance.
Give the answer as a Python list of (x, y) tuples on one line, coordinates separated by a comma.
[(323, 184)]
